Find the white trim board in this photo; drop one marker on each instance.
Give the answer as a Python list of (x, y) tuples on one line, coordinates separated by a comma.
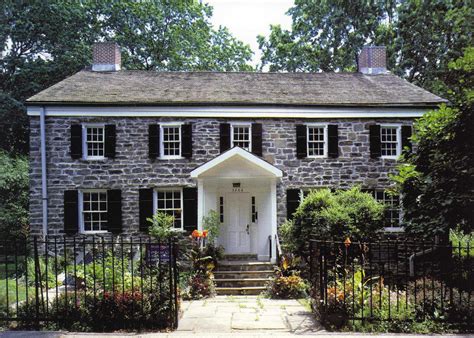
[(229, 112), (236, 151)]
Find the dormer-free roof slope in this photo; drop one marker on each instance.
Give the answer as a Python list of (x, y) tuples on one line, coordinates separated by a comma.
[(235, 88)]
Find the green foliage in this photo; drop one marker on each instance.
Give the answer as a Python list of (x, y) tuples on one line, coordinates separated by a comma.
[(324, 214), (287, 287), (104, 312), (162, 226), (212, 224), (43, 42), (14, 185), (392, 308), (421, 37), (200, 279), (436, 180)]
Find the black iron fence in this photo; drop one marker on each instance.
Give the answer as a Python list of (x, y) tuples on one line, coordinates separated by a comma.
[(392, 280), (93, 283)]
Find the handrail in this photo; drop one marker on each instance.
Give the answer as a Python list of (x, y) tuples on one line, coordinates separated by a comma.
[(278, 247), (270, 246)]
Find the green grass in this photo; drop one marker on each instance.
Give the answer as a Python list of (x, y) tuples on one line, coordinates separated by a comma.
[(10, 285)]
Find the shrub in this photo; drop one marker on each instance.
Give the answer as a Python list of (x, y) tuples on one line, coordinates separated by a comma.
[(162, 226), (324, 214), (287, 283), (105, 312)]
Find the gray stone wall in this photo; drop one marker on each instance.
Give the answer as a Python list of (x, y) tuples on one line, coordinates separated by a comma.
[(132, 169)]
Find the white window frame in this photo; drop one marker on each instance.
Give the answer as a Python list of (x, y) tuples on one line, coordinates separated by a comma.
[(85, 126), (162, 147), (325, 148), (398, 127), (155, 201), (400, 214), (241, 124), (81, 211)]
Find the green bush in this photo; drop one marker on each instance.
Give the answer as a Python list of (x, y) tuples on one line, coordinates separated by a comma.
[(325, 214), (14, 189), (287, 284), (162, 226)]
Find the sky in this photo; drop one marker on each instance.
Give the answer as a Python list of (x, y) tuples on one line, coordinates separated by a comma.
[(248, 18)]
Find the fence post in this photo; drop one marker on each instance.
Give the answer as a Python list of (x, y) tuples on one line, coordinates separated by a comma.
[(176, 280), (37, 276)]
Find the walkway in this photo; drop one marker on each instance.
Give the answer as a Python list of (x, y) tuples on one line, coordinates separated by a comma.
[(246, 314)]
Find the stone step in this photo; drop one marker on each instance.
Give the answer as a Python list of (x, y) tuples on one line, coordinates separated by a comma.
[(240, 282), (240, 257), (253, 290), (243, 274), (243, 266)]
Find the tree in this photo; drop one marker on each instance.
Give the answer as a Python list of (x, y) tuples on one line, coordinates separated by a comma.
[(436, 181), (43, 42), (421, 37), (13, 196)]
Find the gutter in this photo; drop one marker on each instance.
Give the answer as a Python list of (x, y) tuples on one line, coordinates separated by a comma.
[(44, 187)]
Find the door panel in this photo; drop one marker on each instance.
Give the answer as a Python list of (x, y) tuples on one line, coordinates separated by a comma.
[(238, 217)]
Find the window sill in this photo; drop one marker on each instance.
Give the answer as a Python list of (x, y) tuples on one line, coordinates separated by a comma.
[(389, 157), (170, 157), (314, 156), (94, 232), (94, 158)]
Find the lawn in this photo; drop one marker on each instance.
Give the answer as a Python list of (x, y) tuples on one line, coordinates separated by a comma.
[(10, 285)]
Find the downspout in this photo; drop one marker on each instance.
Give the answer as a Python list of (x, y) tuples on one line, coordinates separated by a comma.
[(44, 187)]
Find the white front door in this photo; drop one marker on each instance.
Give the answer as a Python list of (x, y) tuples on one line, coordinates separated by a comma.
[(238, 223)]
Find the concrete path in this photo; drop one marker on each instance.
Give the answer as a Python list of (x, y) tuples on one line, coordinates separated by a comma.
[(246, 314)]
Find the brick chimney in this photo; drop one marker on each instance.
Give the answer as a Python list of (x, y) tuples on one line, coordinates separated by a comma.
[(372, 60), (106, 57)]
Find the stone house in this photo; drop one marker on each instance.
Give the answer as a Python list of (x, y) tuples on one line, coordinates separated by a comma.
[(110, 147)]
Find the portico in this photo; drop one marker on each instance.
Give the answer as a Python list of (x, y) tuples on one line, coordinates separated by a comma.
[(241, 187)]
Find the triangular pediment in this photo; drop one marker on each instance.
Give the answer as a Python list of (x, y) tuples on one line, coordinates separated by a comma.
[(235, 163)]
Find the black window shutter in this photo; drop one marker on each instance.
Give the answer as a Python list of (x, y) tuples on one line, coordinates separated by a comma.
[(114, 211), (333, 141), (224, 136), (292, 202), (187, 140), (145, 206), (110, 139), (71, 212), (406, 134), (301, 145), (374, 141), (154, 140), (257, 139), (190, 217), (76, 141)]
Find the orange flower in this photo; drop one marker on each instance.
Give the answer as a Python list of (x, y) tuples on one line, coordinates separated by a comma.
[(204, 233), (196, 234), (347, 242)]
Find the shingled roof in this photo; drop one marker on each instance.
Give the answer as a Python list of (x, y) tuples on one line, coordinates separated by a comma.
[(235, 88)]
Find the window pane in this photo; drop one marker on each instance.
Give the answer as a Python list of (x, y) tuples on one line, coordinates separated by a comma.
[(94, 211), (315, 141), (241, 137), (95, 137), (392, 208), (389, 141), (169, 202), (171, 141)]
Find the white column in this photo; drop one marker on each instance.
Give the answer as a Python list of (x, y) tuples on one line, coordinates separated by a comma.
[(201, 202), (273, 216)]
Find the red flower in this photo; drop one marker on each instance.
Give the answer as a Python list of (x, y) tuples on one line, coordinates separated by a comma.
[(204, 233), (196, 234)]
